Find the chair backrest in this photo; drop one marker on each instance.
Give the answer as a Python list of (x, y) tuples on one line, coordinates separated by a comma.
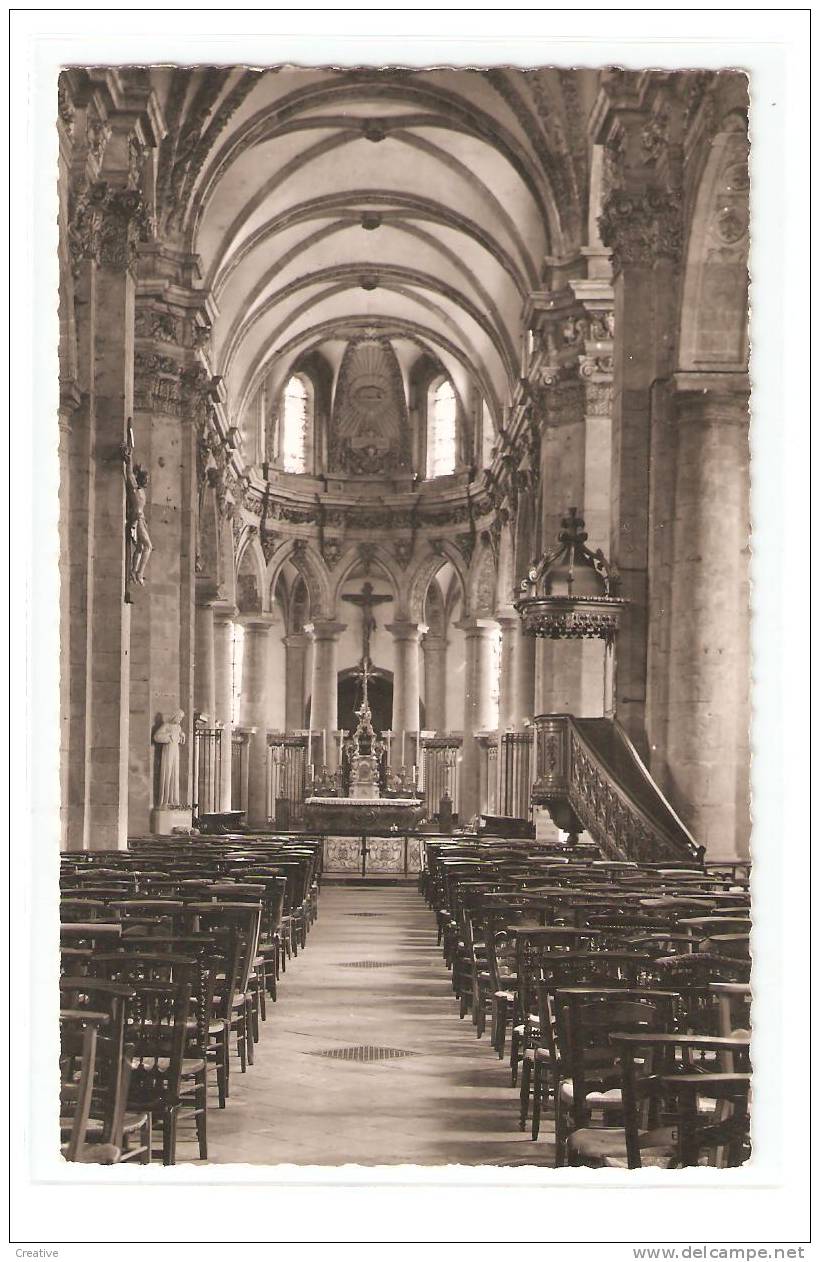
[(91, 994), (74, 909), (157, 1015), (585, 1020), (78, 1032), (660, 1082)]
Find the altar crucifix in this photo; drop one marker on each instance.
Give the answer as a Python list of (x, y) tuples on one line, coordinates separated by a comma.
[(366, 600)]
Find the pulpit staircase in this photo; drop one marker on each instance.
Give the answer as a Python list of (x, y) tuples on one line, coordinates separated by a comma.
[(591, 778)]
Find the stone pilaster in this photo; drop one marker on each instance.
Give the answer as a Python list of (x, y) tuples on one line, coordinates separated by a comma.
[(638, 121), (255, 711), (406, 688), (296, 647), (172, 411), (708, 708), (223, 619), (511, 637), (434, 649), (205, 654), (324, 704), (479, 634), (107, 216)]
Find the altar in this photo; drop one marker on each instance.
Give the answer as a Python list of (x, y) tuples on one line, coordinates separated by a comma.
[(353, 816), (363, 803)]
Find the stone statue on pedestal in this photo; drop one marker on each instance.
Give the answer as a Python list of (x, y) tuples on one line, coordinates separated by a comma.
[(169, 736)]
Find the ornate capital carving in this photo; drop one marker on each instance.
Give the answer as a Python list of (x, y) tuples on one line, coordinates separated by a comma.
[(642, 227), (106, 225)]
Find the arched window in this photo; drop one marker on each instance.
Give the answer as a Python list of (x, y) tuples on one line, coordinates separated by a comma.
[(441, 429), (297, 426)]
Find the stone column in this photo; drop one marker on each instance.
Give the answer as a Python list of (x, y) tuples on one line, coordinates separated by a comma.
[(434, 648), (511, 638), (109, 119), (478, 710), (324, 708), (105, 293), (255, 711), (204, 658), (296, 646), (223, 616), (525, 680), (406, 724), (709, 666), (640, 123)]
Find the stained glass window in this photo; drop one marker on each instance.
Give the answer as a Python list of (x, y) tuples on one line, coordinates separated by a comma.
[(441, 431), (297, 426)]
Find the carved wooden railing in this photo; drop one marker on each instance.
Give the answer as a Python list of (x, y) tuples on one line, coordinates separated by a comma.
[(240, 738), (515, 781), (590, 776), (287, 777), (440, 758), (207, 765)]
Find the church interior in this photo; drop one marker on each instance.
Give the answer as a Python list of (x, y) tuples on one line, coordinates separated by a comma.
[(404, 616)]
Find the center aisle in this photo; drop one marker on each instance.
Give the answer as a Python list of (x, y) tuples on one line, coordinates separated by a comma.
[(448, 1102)]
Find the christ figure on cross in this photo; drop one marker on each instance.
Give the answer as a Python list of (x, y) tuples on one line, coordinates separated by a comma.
[(365, 600)]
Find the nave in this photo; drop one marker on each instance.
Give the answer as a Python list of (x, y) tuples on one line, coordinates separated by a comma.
[(372, 976), (209, 1012)]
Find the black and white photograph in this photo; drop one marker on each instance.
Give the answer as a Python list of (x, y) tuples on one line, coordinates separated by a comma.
[(402, 675)]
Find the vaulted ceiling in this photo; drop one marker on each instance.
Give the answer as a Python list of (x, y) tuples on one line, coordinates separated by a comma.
[(420, 205)]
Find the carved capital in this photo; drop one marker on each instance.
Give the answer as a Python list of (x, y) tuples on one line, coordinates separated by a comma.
[(106, 225), (642, 228), (124, 224)]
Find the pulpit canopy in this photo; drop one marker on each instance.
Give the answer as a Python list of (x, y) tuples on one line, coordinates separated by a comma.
[(570, 592)]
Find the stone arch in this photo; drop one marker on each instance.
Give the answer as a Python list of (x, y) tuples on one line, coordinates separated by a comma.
[(714, 296), (428, 566), (304, 558), (482, 582), (252, 592), (298, 605), (377, 555), (435, 616)]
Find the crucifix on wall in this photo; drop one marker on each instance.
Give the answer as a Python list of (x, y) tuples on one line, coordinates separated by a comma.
[(365, 600)]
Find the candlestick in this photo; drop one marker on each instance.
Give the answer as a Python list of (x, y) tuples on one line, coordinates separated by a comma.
[(324, 746)]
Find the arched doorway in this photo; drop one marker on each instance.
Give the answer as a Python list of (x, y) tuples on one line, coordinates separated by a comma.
[(380, 695)]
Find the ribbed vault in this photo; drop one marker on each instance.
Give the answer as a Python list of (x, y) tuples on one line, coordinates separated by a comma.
[(415, 205)]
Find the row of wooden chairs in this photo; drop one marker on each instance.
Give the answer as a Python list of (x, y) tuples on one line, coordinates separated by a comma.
[(580, 958), (169, 956)]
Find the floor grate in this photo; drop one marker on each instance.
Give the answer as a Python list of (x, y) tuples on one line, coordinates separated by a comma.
[(362, 914), (374, 964), (363, 1053)]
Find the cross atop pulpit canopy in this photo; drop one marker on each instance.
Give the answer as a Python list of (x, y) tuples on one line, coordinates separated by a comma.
[(366, 600)]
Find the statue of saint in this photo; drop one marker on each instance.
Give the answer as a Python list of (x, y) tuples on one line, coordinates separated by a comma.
[(136, 480), (169, 736)]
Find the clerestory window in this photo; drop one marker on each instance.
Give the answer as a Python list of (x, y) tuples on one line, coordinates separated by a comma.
[(441, 430), (297, 426)]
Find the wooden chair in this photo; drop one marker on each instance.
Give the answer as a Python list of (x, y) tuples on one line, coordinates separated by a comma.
[(675, 1113), (602, 971), (157, 1030), (109, 1127), (84, 1026), (591, 1069)]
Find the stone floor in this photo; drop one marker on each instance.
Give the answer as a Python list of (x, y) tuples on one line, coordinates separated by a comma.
[(448, 1102)]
